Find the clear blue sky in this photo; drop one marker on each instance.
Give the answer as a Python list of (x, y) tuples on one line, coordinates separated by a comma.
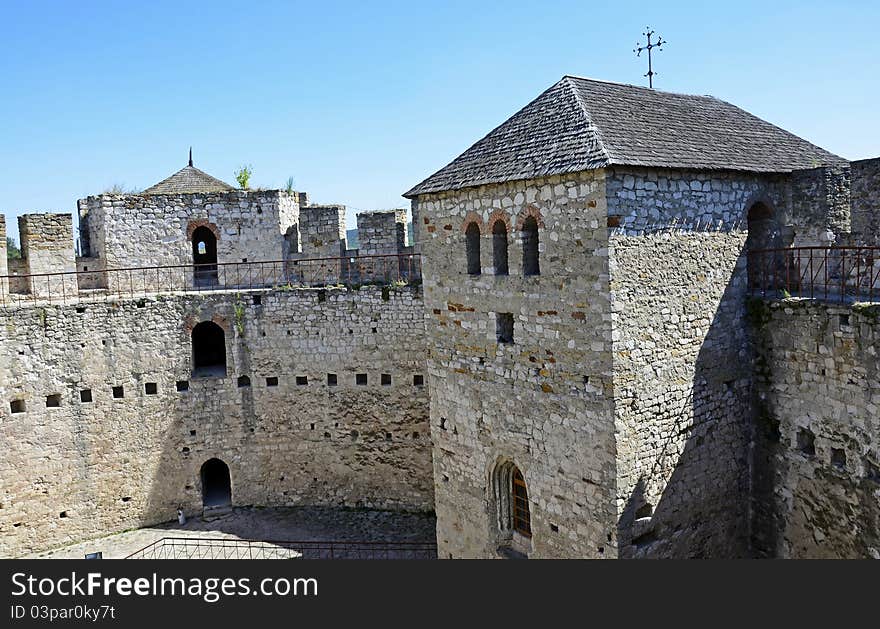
[(360, 100)]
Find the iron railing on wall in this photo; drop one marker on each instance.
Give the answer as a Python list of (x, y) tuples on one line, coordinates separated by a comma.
[(833, 274), (74, 286), (219, 548)]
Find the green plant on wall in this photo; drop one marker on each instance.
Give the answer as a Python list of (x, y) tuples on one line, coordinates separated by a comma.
[(238, 307), (243, 176), (289, 186)]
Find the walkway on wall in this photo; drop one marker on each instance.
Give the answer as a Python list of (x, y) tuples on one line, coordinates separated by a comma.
[(842, 275), (111, 284)]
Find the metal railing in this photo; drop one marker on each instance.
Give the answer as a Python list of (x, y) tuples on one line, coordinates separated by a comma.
[(219, 548), (74, 286), (833, 274)]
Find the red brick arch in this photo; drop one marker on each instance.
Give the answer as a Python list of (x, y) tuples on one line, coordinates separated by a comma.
[(529, 210), (194, 225), (494, 217), (473, 217)]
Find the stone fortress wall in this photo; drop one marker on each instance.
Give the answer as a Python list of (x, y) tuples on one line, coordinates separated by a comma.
[(105, 426), (817, 432), (666, 282)]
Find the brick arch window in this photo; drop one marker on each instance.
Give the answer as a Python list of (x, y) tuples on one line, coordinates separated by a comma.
[(529, 234), (499, 247), (209, 350), (472, 248), (511, 501)]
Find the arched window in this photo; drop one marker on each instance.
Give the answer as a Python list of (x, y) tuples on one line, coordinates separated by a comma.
[(499, 247), (530, 247), (764, 233), (472, 248), (209, 350), (512, 501), (216, 484), (204, 246)]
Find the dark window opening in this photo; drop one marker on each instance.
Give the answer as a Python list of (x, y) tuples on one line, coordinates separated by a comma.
[(17, 406), (244, 381), (53, 401), (504, 327), (530, 247), (204, 247), (806, 442), (511, 501), (386, 379), (838, 458), (272, 381), (499, 247), (472, 249), (151, 388), (360, 379), (331, 379), (85, 395), (119, 392), (258, 300), (302, 380), (844, 320), (216, 484), (209, 350), (418, 380), (182, 385)]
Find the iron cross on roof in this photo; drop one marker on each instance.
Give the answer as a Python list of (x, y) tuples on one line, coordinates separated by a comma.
[(639, 48)]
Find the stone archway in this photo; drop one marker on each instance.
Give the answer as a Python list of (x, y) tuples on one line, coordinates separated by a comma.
[(216, 484)]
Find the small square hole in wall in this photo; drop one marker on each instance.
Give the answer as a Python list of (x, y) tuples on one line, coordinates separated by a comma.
[(244, 259), (838, 458), (386, 379), (258, 300), (151, 388), (302, 380), (504, 327), (244, 381), (53, 401), (331, 380), (418, 380), (85, 395), (844, 321), (118, 392), (272, 381), (17, 406), (360, 379), (63, 514), (80, 309), (806, 442), (182, 385)]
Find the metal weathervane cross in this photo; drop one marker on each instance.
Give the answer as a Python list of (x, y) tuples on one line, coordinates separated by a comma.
[(639, 48)]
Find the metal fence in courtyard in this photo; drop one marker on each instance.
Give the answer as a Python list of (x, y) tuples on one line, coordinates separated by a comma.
[(219, 548)]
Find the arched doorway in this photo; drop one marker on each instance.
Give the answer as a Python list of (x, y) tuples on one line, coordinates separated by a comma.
[(204, 247), (512, 510), (216, 485), (209, 350), (764, 234)]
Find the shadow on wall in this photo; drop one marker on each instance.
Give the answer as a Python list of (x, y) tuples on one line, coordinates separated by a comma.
[(690, 499)]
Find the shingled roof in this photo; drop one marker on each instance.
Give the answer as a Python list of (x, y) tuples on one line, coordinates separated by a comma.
[(189, 180), (581, 124)]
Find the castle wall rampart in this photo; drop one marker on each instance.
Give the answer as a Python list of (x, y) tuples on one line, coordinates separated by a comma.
[(817, 434), (866, 200), (106, 425)]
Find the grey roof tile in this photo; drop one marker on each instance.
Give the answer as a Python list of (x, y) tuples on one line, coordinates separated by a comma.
[(189, 180), (581, 124)]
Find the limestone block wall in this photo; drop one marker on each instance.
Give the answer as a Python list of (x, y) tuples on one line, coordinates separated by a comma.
[(682, 386), (381, 232), (866, 200), (155, 230), (541, 402), (816, 489), (820, 198), (105, 428), (4, 270), (321, 231), (47, 247)]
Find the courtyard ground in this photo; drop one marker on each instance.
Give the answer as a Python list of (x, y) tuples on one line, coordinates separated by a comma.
[(277, 524)]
